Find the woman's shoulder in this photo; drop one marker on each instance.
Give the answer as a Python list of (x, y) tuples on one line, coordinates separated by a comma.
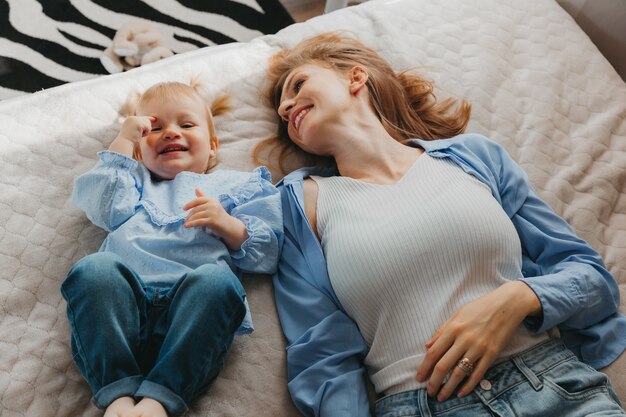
[(470, 141), (300, 175), (472, 148)]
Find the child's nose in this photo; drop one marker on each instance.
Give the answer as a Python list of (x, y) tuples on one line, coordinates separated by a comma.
[(171, 133)]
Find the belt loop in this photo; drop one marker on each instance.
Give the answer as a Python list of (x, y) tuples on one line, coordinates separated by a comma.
[(422, 402), (528, 373)]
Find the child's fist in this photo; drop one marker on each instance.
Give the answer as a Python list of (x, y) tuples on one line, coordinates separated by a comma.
[(135, 128)]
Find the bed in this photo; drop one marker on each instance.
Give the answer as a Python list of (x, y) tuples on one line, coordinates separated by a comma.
[(538, 86)]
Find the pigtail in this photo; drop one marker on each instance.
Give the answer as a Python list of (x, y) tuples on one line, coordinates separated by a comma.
[(221, 105), (218, 106)]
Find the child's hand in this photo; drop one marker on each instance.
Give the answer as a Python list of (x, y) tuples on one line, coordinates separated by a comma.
[(207, 211), (136, 127), (133, 130)]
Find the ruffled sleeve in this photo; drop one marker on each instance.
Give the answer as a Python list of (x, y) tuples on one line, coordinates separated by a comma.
[(257, 205), (110, 191)]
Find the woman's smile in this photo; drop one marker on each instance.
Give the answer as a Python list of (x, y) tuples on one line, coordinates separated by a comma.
[(299, 115)]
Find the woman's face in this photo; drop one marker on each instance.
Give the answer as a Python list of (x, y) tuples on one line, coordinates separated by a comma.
[(313, 99)]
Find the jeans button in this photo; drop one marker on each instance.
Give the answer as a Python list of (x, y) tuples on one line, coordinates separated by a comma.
[(484, 384)]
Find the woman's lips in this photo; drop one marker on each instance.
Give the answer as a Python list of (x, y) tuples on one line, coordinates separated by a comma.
[(299, 115)]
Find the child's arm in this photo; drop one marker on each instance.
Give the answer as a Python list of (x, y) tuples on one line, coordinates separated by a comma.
[(256, 244), (207, 211), (132, 131), (109, 192)]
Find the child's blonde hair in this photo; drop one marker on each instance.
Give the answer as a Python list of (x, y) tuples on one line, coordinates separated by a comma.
[(173, 89)]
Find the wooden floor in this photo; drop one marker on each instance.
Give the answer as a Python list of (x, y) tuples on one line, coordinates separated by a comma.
[(302, 10)]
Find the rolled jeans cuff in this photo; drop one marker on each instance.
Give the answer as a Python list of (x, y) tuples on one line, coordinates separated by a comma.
[(124, 387), (174, 404)]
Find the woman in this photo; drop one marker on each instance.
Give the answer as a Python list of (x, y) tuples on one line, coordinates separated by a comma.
[(430, 263)]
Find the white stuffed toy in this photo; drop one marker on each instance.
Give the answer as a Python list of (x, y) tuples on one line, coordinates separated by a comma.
[(136, 43)]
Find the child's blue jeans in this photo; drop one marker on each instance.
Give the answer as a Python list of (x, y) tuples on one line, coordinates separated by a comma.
[(129, 339), (546, 380)]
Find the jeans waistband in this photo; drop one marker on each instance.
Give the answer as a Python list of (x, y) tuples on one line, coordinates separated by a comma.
[(519, 368)]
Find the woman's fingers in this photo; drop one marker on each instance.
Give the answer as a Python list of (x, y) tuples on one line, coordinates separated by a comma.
[(433, 339), (445, 370), (432, 357), (480, 369), (456, 376), (478, 331)]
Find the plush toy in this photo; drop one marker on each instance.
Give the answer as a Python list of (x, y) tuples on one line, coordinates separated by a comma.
[(136, 43)]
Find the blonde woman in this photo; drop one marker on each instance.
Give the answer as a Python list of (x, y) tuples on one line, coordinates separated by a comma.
[(422, 256)]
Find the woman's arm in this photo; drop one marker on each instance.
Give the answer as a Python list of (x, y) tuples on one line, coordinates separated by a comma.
[(566, 282), (325, 348), (565, 272)]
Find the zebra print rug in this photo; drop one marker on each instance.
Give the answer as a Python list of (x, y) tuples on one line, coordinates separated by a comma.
[(46, 43)]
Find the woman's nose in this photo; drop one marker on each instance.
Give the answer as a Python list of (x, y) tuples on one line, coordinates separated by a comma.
[(285, 108)]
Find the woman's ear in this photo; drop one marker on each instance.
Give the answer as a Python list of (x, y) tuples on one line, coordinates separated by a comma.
[(358, 77)]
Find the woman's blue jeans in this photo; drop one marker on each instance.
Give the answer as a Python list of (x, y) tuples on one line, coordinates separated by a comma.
[(546, 380), (130, 339)]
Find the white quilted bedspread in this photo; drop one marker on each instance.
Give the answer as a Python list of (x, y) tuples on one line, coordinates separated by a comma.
[(537, 84)]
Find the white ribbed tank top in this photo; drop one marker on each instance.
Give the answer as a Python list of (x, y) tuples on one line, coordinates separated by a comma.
[(402, 258)]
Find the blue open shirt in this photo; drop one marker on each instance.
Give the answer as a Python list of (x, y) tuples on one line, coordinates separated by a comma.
[(325, 349), (145, 219)]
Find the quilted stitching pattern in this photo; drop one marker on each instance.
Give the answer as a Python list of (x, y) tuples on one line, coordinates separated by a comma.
[(537, 84)]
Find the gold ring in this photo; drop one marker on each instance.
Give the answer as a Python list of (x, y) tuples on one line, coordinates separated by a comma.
[(466, 365)]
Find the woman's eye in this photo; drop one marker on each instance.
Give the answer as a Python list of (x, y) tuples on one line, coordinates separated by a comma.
[(297, 86), (155, 129)]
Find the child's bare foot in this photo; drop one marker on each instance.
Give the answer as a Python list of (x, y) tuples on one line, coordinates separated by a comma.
[(148, 407), (120, 407)]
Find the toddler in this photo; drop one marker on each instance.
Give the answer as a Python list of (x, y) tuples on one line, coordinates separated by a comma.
[(154, 312)]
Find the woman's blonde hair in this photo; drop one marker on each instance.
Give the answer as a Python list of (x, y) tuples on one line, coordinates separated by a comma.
[(169, 90), (404, 103)]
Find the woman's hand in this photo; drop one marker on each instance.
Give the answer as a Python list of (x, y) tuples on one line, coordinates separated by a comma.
[(478, 331), (208, 212)]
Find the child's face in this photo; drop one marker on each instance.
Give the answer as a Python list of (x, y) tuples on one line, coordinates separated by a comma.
[(180, 139)]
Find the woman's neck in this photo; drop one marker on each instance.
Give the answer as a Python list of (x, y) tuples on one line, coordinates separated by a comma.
[(370, 154)]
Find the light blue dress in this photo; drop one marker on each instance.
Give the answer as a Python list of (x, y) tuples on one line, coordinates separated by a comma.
[(144, 218)]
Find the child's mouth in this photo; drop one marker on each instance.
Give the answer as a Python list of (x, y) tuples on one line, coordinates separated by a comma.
[(172, 148)]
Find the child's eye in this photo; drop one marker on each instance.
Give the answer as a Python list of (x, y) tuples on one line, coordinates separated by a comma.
[(187, 125), (297, 86)]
